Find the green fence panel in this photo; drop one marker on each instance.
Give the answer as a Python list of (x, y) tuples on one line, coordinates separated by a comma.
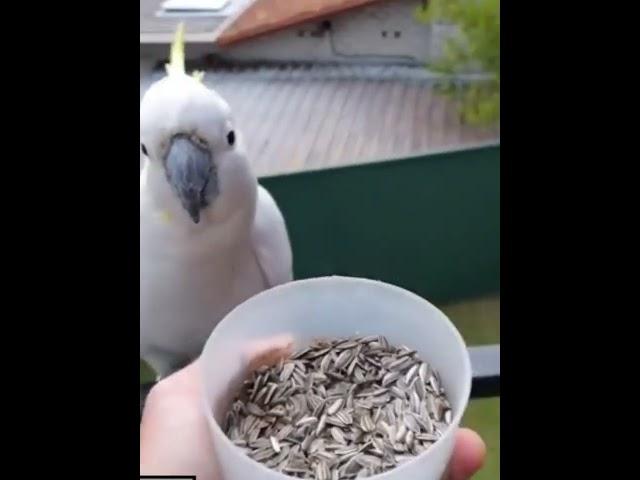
[(430, 224)]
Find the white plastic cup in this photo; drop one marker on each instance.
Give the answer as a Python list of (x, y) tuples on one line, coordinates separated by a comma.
[(294, 314)]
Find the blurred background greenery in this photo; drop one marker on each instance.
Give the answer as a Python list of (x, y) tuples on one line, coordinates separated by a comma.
[(479, 322), (475, 49)]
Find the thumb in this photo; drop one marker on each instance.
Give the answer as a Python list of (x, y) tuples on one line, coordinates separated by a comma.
[(468, 455), (268, 351)]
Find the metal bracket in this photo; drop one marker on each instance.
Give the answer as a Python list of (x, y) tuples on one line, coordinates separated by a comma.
[(485, 365)]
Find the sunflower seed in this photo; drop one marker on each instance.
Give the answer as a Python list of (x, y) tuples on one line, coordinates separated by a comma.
[(385, 429), (306, 421), (431, 407), (260, 393), (303, 470), (390, 377), (402, 430), (280, 461), (408, 439), (260, 381), (377, 415), (263, 454), (272, 389), (420, 388), (352, 365), (253, 435), (326, 361), (316, 445), (368, 461), (284, 432), (335, 407), (348, 344), (411, 423), (275, 444), (423, 371), (400, 394), (447, 416), (337, 435), (278, 411), (373, 362), (399, 447), (342, 359), (344, 417), (400, 459), (322, 391), (347, 451), (406, 352), (428, 424), (299, 379), (415, 401), (367, 424), (340, 409), (306, 443), (317, 354), (399, 364), (253, 409), (412, 371), (322, 471), (367, 339), (433, 381), (301, 353), (324, 455), (426, 437), (321, 424)]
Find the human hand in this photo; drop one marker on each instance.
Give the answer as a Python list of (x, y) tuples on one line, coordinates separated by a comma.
[(174, 436)]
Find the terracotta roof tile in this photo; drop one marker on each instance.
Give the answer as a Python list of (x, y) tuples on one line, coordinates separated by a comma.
[(265, 16)]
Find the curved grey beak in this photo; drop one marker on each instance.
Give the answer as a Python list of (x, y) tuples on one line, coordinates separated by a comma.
[(189, 169)]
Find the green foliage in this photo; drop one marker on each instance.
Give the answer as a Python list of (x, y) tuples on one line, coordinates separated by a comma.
[(147, 374), (475, 49)]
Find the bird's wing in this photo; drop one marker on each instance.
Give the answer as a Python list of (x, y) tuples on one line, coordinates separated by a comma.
[(270, 241)]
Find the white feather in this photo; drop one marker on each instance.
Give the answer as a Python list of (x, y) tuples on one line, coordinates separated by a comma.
[(271, 241)]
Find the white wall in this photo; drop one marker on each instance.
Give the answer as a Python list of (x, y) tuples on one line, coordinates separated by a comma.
[(384, 33)]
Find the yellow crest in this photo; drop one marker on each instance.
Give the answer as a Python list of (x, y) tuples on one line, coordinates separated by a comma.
[(176, 63)]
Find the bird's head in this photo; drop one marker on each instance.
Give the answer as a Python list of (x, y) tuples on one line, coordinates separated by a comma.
[(188, 137)]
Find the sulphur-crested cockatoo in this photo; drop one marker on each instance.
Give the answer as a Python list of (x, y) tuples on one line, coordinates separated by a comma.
[(210, 236)]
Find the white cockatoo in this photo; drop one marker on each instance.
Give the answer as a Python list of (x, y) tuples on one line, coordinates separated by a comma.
[(210, 236)]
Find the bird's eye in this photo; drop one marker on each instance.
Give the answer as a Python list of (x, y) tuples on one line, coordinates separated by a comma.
[(144, 149), (231, 137)]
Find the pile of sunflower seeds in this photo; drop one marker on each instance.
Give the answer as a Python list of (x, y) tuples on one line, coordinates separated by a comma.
[(341, 409)]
